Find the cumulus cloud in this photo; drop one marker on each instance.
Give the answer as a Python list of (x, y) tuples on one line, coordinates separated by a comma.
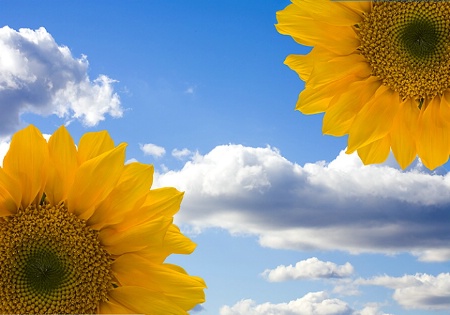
[(39, 76), (311, 268), (181, 154), (153, 150), (314, 303), (341, 205), (419, 291)]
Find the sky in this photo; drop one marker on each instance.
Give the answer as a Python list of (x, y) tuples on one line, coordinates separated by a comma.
[(285, 222)]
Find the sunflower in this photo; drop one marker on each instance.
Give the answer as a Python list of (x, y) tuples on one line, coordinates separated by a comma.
[(380, 70), (82, 233)]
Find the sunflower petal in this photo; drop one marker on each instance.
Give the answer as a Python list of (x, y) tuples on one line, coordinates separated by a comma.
[(313, 100), (334, 13), (93, 144), (182, 289), (434, 135), (145, 301), (344, 107), (375, 152), (374, 120), (404, 132), (63, 157), (360, 7), (338, 68), (94, 181), (133, 185), (10, 194), (306, 30), (118, 242), (113, 307), (164, 201), (27, 161)]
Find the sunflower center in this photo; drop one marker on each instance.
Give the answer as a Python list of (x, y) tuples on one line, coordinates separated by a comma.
[(51, 262), (407, 44)]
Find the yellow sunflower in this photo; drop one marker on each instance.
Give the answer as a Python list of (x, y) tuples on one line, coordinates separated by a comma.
[(82, 233), (380, 70)]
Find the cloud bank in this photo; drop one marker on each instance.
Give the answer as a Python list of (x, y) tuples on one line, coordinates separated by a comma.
[(313, 303), (419, 291), (341, 205), (311, 268), (39, 76)]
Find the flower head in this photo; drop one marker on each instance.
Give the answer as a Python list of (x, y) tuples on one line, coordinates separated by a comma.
[(380, 70), (82, 233)]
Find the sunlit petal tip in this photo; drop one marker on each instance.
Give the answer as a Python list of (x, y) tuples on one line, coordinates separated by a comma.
[(95, 179), (30, 168), (63, 157), (93, 144)]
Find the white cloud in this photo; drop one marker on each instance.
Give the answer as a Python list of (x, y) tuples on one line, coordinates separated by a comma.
[(341, 205), (153, 150), (311, 268), (419, 291), (39, 76), (181, 154), (314, 303)]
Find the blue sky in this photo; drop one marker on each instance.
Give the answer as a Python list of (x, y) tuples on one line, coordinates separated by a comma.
[(284, 221)]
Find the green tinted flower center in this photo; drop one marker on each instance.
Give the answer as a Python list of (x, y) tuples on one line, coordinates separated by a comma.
[(51, 262), (407, 44)]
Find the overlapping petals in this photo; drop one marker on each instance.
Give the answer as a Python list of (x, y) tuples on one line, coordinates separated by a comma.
[(340, 81)]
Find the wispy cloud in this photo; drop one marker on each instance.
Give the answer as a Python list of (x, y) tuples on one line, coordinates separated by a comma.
[(419, 291), (181, 154), (311, 268), (341, 205), (39, 76), (152, 149)]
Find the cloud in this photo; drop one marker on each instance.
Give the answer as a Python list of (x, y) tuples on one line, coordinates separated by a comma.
[(419, 291), (311, 268), (39, 76), (314, 303), (181, 154), (341, 205), (153, 150)]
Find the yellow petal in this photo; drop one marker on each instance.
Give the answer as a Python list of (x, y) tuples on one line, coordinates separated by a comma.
[(94, 180), (375, 152), (308, 31), (164, 201), (404, 132), (304, 64), (313, 100), (360, 7), (343, 108), (445, 106), (27, 162), (340, 67), (10, 194), (433, 138), (132, 187), (177, 243), (93, 144), (182, 289), (145, 301), (374, 120), (334, 13), (118, 242), (63, 157), (113, 307)]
